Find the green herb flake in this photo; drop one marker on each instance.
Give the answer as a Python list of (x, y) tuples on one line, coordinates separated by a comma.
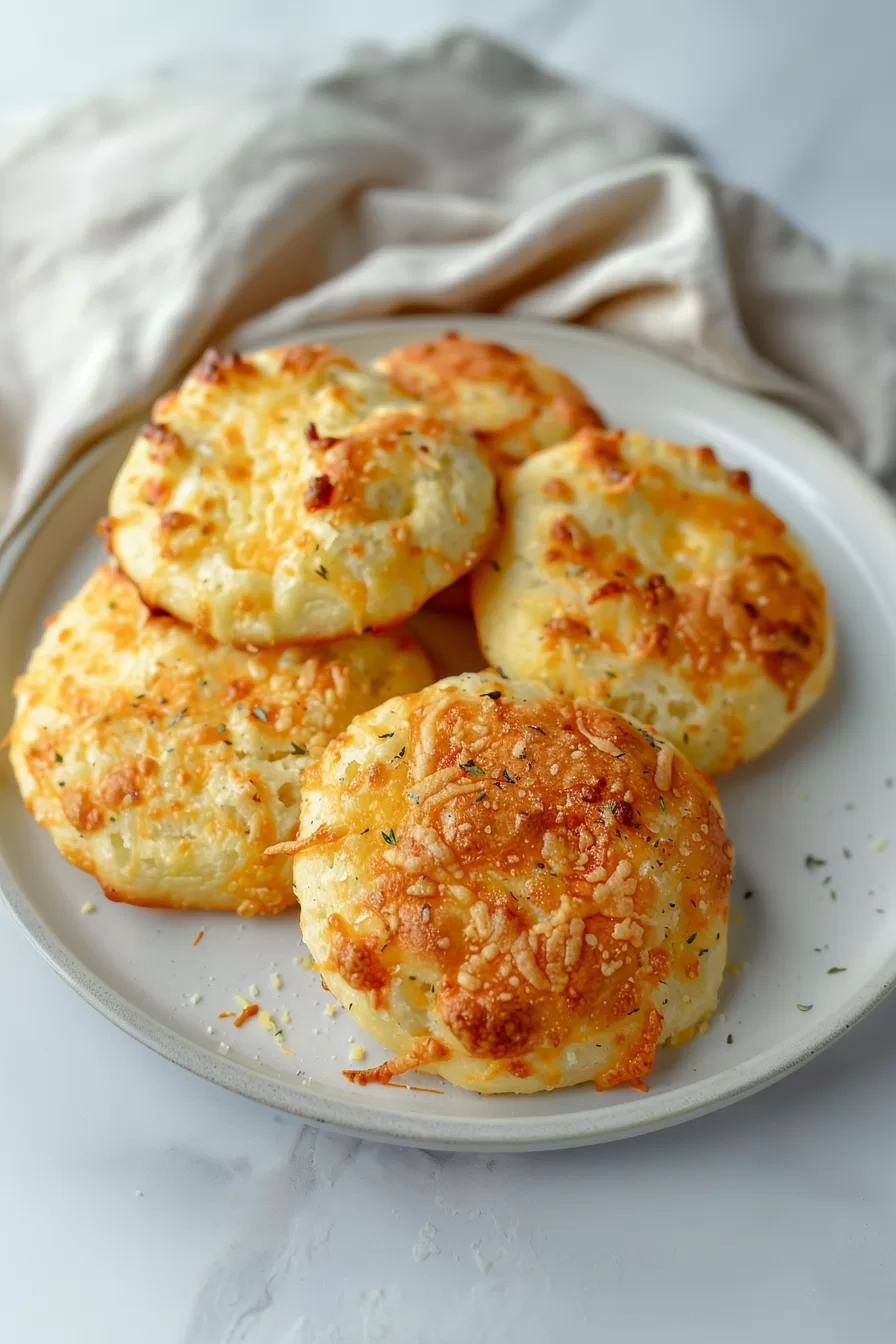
[(836, 970), (414, 797), (222, 727), (847, 853), (389, 836), (57, 757), (692, 937), (491, 695), (535, 728), (805, 1007), (812, 862), (662, 802), (322, 571), (748, 895), (297, 749), (398, 755), (383, 736), (505, 774), (730, 1039), (178, 716), (472, 768), (479, 797), (259, 713)]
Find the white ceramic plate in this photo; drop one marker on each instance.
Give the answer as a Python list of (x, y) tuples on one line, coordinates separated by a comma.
[(825, 791)]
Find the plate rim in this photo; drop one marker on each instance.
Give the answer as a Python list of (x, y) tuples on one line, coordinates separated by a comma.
[(480, 1133)]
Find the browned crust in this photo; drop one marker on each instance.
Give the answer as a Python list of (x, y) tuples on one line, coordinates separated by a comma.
[(164, 444), (218, 367), (434, 370), (769, 607), (237, 904), (428, 1050), (324, 835)]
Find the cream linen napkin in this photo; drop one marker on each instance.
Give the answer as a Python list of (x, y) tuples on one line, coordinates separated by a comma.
[(137, 228)]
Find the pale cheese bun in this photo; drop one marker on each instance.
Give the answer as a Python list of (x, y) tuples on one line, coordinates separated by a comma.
[(291, 496), (165, 764), (513, 890), (644, 574)]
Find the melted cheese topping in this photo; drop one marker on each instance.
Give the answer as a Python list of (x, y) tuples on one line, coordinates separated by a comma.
[(289, 495), (647, 575), (494, 885), (512, 403), (165, 764)]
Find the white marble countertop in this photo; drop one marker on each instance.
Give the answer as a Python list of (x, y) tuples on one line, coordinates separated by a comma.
[(141, 1204)]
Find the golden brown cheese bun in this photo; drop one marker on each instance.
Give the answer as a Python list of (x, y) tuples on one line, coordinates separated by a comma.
[(645, 575), (289, 495), (515, 890), (511, 402), (164, 763)]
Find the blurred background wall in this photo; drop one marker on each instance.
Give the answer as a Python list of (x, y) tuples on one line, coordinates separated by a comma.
[(795, 98)]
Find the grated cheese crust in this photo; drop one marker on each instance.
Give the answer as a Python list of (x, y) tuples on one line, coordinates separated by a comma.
[(290, 495), (511, 402), (164, 764), (493, 885), (645, 575)]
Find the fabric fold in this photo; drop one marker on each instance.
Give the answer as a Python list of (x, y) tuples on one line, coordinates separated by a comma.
[(135, 229)]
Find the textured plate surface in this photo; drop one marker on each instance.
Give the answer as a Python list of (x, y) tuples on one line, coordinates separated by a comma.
[(824, 793)]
